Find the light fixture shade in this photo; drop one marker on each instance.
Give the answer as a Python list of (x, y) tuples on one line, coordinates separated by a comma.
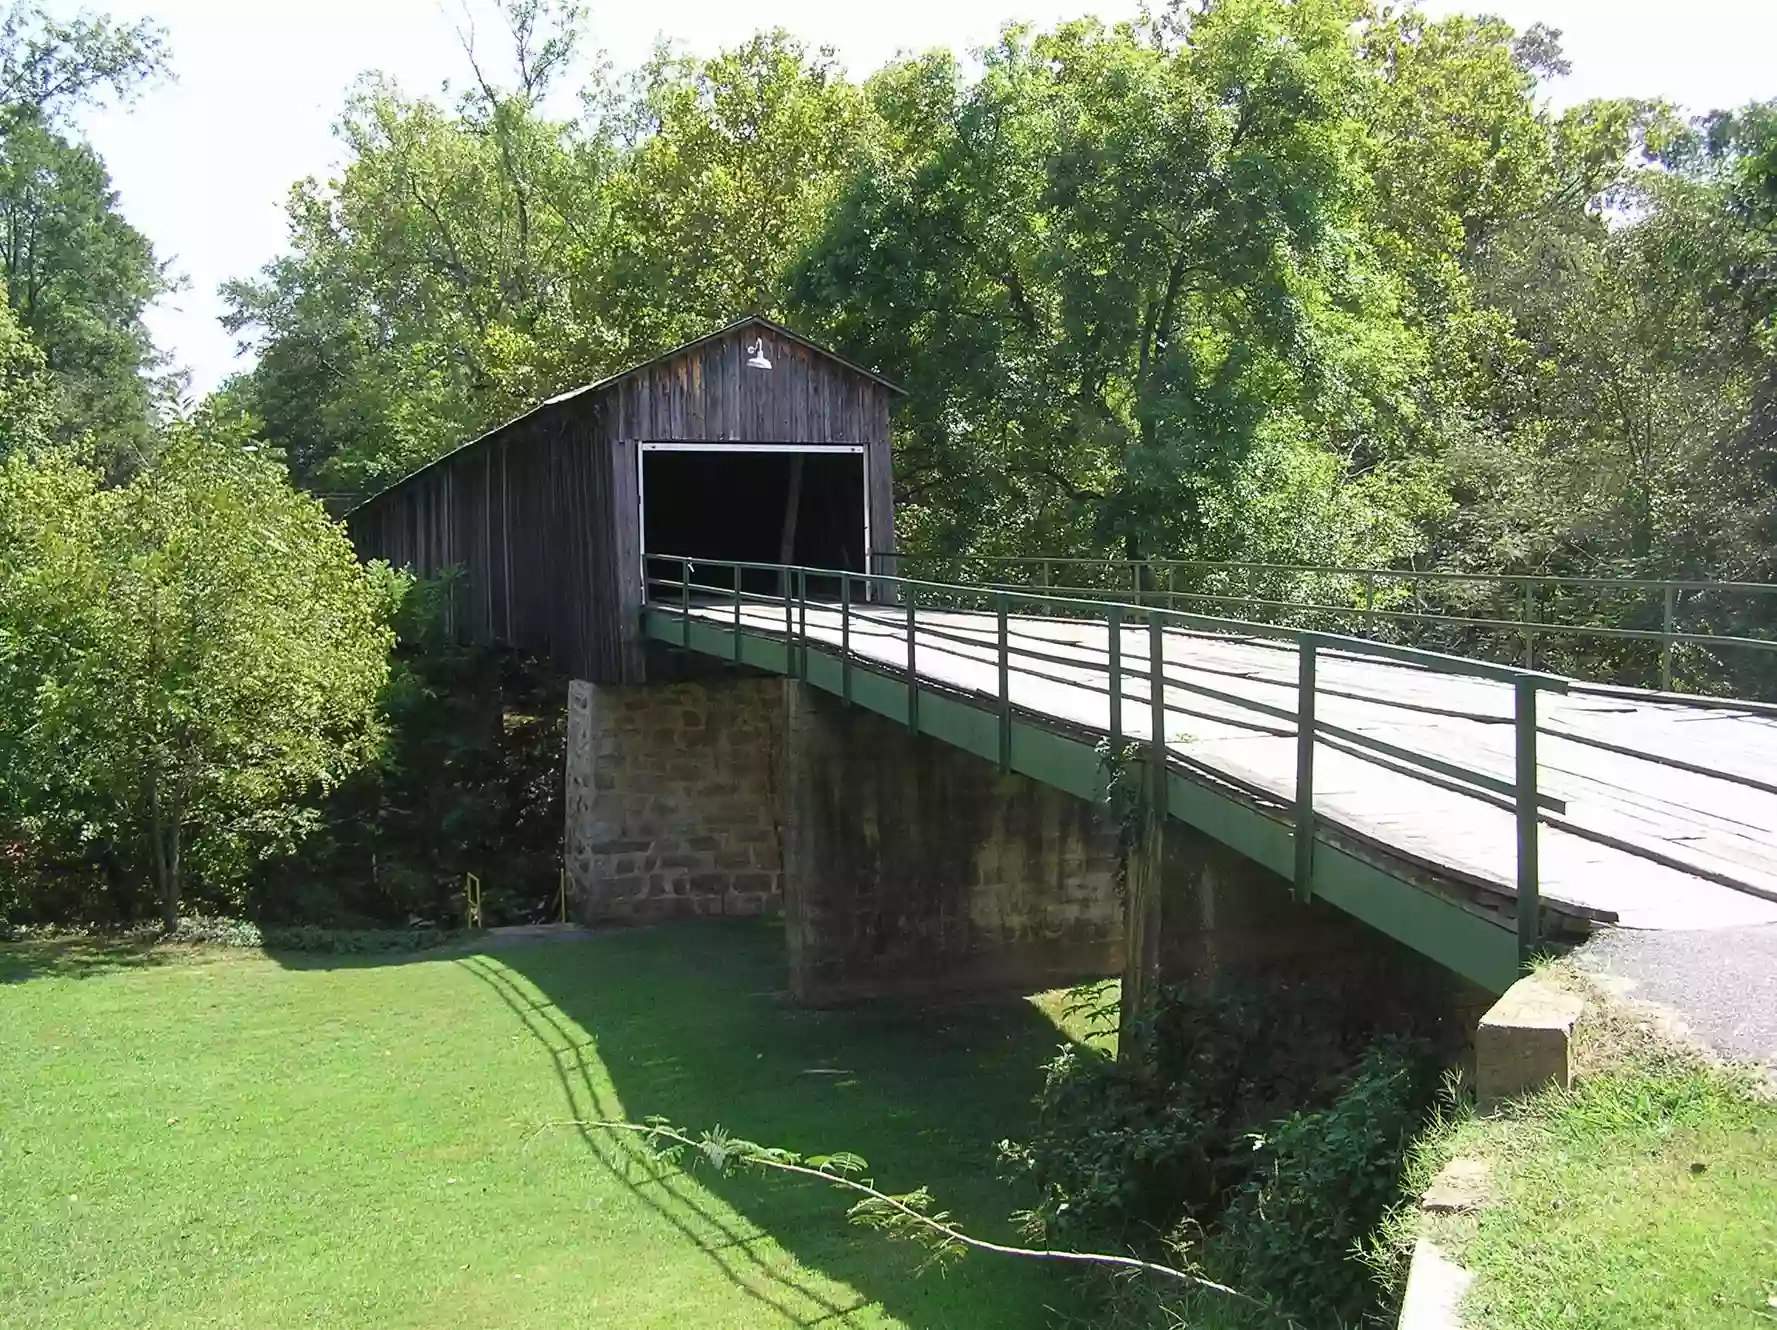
[(757, 359)]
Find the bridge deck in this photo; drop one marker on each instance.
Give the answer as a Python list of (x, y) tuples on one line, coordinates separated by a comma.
[(1671, 818)]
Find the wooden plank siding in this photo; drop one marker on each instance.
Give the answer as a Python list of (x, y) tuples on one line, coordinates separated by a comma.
[(543, 515)]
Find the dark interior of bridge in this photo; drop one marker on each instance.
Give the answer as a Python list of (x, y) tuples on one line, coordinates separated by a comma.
[(735, 504)]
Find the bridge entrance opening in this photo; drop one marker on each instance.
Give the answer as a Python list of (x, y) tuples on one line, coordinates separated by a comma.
[(784, 504)]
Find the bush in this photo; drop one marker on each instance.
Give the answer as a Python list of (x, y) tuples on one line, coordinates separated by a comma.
[(212, 931), (1259, 1134), (1321, 1182), (192, 659), (1124, 1154), (470, 781)]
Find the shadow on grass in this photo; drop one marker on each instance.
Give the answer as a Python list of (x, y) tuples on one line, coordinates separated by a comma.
[(692, 1023), (82, 958)]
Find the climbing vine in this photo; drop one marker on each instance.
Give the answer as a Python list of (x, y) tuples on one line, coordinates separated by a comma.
[(1125, 801)]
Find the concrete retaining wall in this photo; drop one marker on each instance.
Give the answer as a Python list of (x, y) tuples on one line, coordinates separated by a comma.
[(913, 866)]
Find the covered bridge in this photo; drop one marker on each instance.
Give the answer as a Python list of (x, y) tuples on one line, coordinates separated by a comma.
[(751, 443)]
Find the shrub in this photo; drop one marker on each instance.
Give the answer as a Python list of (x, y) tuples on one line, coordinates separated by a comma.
[(470, 780), (192, 659), (215, 931), (1321, 1182), (1124, 1154), (1261, 1134)]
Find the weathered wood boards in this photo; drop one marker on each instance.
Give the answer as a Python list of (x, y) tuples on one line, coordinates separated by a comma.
[(543, 516)]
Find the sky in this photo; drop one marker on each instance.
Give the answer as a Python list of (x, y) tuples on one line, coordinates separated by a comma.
[(203, 164)]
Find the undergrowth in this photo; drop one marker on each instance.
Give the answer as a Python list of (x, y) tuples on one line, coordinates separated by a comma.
[(1256, 1140), (199, 930)]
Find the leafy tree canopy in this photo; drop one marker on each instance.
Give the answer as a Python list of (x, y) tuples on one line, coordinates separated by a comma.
[(1322, 281), (186, 660)]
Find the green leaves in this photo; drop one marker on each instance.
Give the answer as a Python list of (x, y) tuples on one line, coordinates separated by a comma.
[(470, 261), (188, 659), (1127, 279), (78, 278)]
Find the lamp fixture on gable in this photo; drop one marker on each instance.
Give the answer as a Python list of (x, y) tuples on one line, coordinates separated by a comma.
[(757, 359)]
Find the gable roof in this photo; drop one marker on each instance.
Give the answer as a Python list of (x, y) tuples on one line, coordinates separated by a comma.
[(611, 380), (746, 321)]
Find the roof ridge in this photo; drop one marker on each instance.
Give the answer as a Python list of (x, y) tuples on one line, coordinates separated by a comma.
[(598, 385)]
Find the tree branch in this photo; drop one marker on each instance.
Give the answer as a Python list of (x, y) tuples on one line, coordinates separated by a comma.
[(946, 1233)]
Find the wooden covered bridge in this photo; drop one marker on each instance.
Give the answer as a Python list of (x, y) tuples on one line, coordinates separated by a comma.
[(677, 535)]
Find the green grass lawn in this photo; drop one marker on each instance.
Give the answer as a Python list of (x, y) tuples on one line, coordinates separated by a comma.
[(1644, 1199), (225, 1138)]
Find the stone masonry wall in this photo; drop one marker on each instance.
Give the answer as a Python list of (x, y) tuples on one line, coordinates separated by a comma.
[(673, 798), (913, 867)]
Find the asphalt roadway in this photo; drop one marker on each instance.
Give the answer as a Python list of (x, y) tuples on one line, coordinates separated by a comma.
[(1720, 982)]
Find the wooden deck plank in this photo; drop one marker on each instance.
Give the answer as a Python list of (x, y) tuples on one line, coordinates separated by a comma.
[(1709, 824)]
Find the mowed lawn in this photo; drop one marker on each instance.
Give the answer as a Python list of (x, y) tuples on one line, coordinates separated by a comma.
[(226, 1138)]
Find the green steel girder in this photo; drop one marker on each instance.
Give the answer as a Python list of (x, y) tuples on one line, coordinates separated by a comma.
[(1400, 907)]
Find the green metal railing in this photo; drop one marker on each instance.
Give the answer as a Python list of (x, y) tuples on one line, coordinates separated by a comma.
[(718, 592), (1678, 611)]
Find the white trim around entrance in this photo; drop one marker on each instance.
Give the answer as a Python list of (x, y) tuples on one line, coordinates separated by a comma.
[(644, 449)]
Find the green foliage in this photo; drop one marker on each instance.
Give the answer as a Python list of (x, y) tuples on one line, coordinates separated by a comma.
[(468, 780), (218, 931), (27, 397), (78, 278), (1155, 294), (1260, 1132), (186, 661), (1322, 1180), (49, 66), (470, 260)]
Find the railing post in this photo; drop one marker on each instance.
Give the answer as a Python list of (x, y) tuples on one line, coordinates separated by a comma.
[(845, 637), (1370, 604), (1047, 608), (1114, 622), (1157, 708), (685, 603), (1135, 579), (1005, 689), (911, 594), (1529, 618), (1666, 643), (1142, 908), (737, 576), (1529, 823), (788, 575), (1305, 731), (802, 623)]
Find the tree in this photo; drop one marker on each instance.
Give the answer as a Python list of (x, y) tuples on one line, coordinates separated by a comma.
[(190, 660), (736, 162), (79, 278), (427, 293), (1127, 279), (469, 261), (48, 66), (27, 398), (424, 297)]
